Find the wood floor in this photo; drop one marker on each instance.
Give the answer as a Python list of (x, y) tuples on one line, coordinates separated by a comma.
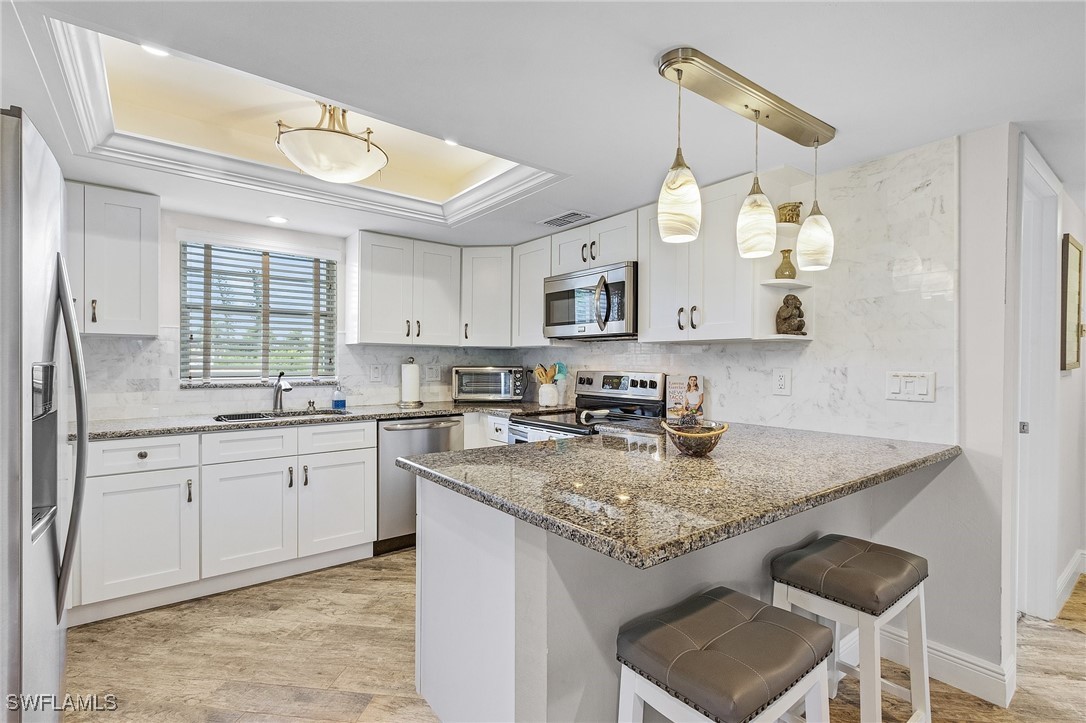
[(338, 645)]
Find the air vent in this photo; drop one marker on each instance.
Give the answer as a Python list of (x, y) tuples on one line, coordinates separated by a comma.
[(566, 219)]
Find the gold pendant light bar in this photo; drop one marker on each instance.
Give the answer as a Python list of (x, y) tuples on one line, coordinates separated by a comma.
[(725, 87)]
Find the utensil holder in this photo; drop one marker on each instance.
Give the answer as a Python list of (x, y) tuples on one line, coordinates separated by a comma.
[(548, 395)]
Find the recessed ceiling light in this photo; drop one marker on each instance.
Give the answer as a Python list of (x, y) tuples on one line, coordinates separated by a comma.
[(278, 219), (451, 142), (159, 52)]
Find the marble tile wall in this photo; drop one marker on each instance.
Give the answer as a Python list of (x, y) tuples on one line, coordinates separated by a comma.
[(888, 303)]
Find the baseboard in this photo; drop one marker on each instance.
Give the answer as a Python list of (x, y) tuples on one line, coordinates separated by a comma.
[(990, 681), (1065, 583)]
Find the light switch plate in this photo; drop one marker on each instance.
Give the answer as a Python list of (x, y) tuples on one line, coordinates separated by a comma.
[(910, 386), (375, 372), (432, 372)]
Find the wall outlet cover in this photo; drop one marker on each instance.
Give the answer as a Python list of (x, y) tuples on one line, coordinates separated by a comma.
[(782, 381)]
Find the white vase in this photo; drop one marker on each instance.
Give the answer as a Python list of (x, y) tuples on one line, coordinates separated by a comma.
[(548, 395)]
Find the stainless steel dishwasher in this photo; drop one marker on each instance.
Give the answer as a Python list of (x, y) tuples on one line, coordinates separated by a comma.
[(395, 486)]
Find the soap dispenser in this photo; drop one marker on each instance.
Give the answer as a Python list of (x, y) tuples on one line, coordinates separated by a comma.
[(339, 399)]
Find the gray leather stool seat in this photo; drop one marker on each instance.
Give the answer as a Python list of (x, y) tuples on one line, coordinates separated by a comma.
[(852, 571), (724, 653)]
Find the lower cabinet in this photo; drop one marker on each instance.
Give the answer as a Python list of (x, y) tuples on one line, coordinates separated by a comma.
[(140, 531), (337, 504)]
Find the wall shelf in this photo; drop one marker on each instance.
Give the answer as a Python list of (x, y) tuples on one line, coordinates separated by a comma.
[(786, 284), (784, 337)]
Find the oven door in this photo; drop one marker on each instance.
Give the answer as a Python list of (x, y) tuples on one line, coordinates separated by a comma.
[(597, 302)]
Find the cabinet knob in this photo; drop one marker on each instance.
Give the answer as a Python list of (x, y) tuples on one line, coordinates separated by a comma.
[(141, 455), (305, 475), (692, 310), (189, 484), (94, 311)]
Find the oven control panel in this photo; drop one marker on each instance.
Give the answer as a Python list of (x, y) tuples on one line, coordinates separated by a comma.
[(639, 385)]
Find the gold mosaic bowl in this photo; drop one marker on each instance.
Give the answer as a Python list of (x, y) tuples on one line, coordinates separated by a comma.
[(696, 440)]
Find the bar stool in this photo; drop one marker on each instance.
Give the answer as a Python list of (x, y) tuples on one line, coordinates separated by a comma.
[(724, 656), (858, 583)]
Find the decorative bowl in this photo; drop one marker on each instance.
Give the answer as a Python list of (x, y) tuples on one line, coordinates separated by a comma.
[(696, 440)]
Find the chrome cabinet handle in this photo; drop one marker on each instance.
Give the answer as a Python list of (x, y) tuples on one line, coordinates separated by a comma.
[(189, 483), (94, 311), (679, 318), (305, 475), (584, 249), (418, 329), (408, 334), (692, 310), (465, 331), (592, 250), (141, 455), (290, 477)]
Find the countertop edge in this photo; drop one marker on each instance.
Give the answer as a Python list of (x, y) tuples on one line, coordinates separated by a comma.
[(644, 559)]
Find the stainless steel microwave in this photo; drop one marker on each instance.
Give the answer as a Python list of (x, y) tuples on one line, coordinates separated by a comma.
[(594, 303), (488, 384)]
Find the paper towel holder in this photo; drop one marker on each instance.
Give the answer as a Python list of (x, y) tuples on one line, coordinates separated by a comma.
[(414, 404)]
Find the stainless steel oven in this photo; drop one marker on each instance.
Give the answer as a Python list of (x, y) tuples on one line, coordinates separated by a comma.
[(593, 303), (488, 384)]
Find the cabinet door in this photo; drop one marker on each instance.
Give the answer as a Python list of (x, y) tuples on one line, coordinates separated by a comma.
[(120, 262), (74, 195), (531, 264), (337, 503), (721, 283), (663, 290), (436, 300), (140, 532), (385, 289), (249, 514), (569, 251), (485, 296), (613, 240)]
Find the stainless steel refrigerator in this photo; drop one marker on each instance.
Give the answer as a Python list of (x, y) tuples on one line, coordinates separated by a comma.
[(38, 340)]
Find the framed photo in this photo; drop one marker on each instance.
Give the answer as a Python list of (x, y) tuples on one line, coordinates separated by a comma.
[(1071, 310)]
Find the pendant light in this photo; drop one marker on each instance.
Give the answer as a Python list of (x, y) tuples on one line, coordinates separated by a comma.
[(756, 227), (678, 212), (814, 247), (329, 151)]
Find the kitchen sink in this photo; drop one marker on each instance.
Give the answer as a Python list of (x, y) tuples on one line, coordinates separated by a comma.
[(258, 416)]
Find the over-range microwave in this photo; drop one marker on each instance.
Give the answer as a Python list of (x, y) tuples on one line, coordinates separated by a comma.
[(593, 303), (488, 384)]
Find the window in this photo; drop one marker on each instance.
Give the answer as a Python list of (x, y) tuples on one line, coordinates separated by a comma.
[(250, 314)]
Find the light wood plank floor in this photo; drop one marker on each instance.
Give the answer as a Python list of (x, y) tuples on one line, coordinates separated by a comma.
[(338, 645)]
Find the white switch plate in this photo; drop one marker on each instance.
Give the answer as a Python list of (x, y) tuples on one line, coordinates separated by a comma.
[(782, 381), (432, 372), (375, 372), (910, 386)]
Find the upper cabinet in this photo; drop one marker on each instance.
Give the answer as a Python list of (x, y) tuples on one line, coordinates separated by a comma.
[(409, 291), (531, 264), (599, 243), (113, 258), (485, 296)]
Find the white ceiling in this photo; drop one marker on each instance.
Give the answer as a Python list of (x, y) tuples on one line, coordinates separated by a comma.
[(573, 87)]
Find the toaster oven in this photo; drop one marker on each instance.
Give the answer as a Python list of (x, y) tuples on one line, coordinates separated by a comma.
[(488, 384)]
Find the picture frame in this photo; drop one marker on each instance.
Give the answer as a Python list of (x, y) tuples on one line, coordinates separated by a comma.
[(1071, 305)]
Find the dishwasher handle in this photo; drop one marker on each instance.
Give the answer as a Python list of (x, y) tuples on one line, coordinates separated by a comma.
[(409, 426)]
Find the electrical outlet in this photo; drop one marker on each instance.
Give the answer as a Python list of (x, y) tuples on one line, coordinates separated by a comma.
[(782, 381), (375, 372), (432, 372)]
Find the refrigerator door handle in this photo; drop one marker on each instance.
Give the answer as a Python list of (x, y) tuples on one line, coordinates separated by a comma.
[(79, 380)]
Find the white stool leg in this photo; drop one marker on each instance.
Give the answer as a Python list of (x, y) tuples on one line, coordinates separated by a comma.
[(870, 671), (918, 655), (631, 707), (780, 596), (817, 701), (834, 674)]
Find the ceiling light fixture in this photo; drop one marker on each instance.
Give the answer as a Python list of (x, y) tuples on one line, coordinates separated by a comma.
[(278, 219), (678, 211), (756, 227), (157, 52), (814, 247), (329, 151), (451, 142)]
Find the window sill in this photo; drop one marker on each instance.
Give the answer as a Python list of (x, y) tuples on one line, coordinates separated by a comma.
[(255, 384)]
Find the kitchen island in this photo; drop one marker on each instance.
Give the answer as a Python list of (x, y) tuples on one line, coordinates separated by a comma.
[(530, 557)]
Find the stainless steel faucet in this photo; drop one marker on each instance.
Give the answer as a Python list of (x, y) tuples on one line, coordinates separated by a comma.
[(277, 393)]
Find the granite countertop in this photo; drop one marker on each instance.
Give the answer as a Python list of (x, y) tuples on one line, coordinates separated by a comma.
[(191, 424), (629, 494)]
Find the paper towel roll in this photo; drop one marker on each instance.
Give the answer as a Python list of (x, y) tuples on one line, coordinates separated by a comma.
[(409, 383)]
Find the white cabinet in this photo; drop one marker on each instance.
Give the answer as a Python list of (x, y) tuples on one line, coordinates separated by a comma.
[(531, 264), (610, 241), (337, 504), (140, 532), (250, 514), (485, 296), (698, 291), (409, 291), (483, 430), (112, 247)]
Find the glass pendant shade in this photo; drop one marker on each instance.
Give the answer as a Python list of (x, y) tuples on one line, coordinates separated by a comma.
[(329, 151), (678, 212), (814, 247), (756, 227)]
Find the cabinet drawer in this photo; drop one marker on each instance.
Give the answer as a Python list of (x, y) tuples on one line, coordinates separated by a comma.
[(249, 444), (336, 437), (118, 456), (497, 429)]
